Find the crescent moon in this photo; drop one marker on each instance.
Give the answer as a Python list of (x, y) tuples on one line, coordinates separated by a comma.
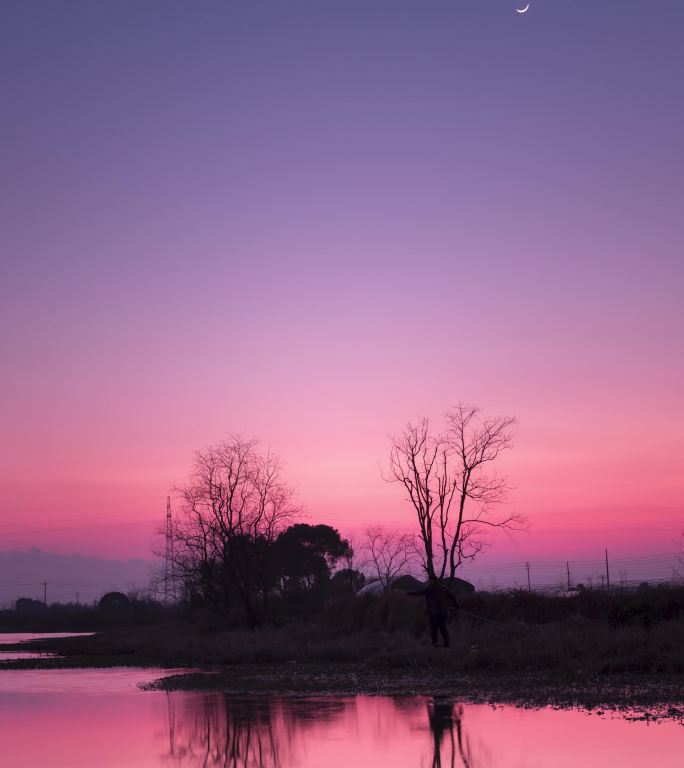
[(523, 10)]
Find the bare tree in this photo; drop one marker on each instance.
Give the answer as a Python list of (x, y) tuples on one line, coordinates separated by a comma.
[(477, 442), (447, 481), (387, 553), (351, 572), (419, 461), (233, 506)]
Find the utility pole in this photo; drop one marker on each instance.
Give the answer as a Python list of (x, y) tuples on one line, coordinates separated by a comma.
[(45, 591), (169, 586), (607, 572), (567, 565), (529, 583)]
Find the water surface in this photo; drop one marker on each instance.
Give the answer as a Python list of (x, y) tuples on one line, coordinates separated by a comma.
[(101, 718), (10, 638)]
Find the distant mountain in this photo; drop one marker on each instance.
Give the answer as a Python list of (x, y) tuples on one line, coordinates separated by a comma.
[(69, 577)]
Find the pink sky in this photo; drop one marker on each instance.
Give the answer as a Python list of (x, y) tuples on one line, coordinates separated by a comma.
[(310, 229)]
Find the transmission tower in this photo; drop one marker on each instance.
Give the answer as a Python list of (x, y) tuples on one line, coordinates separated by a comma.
[(169, 584)]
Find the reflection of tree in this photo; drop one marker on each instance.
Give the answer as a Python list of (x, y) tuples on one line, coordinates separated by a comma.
[(216, 730), (445, 718), (219, 731)]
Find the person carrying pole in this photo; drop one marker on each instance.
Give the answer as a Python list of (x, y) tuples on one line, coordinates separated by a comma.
[(438, 601)]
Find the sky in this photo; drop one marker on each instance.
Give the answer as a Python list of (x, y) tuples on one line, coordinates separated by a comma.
[(312, 221)]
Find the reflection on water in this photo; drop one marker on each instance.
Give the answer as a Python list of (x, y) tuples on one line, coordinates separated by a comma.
[(445, 718), (46, 689), (99, 717), (219, 730), (9, 638)]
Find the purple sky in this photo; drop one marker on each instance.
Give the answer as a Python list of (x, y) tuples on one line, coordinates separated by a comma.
[(311, 221)]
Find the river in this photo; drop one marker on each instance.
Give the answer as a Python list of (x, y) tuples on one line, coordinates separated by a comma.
[(100, 717)]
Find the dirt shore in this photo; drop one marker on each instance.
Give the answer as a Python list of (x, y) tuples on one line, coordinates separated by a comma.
[(635, 695)]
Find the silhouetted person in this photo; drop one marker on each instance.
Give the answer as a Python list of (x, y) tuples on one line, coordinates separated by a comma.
[(438, 600)]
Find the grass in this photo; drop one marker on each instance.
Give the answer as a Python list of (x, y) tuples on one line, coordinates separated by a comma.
[(595, 634), (594, 651)]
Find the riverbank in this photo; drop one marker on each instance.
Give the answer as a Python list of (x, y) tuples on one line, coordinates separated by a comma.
[(562, 664), (638, 697), (566, 646), (570, 646)]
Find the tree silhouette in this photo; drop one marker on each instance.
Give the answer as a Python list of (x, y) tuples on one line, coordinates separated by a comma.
[(386, 553), (234, 505), (447, 480)]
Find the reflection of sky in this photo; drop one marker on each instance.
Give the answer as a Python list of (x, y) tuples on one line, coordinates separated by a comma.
[(103, 721), (10, 638), (311, 221)]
